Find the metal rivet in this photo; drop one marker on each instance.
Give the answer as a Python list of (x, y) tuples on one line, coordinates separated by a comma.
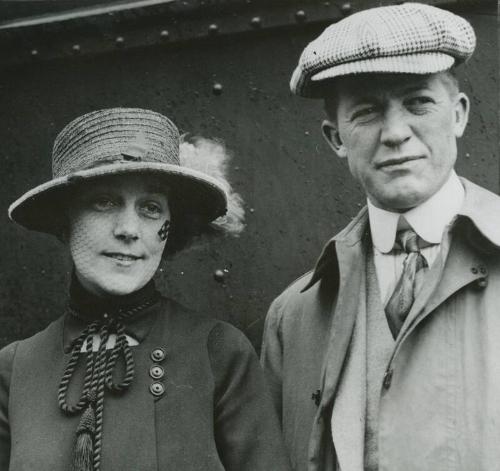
[(158, 354), (164, 34), (76, 48), (219, 276), (157, 389), (213, 28), (156, 372), (474, 270), (34, 52), (217, 89), (256, 22), (300, 15), (346, 8), (120, 40)]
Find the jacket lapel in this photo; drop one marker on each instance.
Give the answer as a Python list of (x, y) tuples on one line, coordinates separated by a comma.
[(346, 260)]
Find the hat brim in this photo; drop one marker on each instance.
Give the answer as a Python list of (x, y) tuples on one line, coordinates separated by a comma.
[(420, 64), (194, 193)]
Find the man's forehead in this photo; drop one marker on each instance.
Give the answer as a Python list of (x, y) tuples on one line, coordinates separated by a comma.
[(372, 84)]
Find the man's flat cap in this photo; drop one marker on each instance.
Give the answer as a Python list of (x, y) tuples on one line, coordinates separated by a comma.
[(411, 38)]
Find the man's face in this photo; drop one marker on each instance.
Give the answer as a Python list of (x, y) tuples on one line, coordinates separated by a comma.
[(398, 133)]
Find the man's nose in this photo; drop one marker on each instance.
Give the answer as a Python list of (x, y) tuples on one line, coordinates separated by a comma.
[(127, 224), (395, 129)]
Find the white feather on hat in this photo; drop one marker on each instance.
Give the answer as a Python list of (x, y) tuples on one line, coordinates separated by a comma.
[(211, 157)]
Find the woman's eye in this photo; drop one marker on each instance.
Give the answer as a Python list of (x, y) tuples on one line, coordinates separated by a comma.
[(152, 209), (103, 203)]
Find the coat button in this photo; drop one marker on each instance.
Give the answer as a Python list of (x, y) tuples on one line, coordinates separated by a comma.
[(158, 354), (156, 372), (387, 379), (474, 270), (482, 283), (157, 389)]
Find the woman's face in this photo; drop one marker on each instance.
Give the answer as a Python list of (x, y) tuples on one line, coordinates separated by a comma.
[(115, 233)]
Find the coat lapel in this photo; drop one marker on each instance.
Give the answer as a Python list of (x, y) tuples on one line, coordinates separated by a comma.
[(346, 258)]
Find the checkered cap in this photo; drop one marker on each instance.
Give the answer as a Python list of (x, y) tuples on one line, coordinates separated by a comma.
[(410, 38)]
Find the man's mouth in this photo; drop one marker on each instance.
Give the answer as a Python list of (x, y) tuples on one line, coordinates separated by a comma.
[(398, 161)]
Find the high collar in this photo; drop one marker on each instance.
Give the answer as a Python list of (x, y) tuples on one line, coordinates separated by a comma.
[(428, 220), (88, 307), (481, 208)]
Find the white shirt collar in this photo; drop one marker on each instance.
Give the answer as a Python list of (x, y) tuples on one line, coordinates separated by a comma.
[(428, 220)]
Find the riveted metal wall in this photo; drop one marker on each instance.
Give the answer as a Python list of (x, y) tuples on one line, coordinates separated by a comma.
[(228, 81)]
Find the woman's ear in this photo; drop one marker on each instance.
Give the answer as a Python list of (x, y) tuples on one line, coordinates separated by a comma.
[(332, 137)]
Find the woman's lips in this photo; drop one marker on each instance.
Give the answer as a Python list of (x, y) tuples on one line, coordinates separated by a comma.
[(122, 257)]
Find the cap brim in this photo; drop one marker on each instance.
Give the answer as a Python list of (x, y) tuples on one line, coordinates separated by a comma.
[(421, 64), (195, 193)]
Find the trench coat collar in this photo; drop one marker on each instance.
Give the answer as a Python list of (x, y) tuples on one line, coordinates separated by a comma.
[(481, 208)]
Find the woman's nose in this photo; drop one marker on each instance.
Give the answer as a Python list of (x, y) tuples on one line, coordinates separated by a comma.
[(395, 129), (127, 224)]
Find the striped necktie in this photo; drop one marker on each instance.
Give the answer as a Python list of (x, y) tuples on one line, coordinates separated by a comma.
[(402, 298)]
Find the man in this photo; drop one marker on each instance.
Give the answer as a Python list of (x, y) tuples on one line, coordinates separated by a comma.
[(387, 355)]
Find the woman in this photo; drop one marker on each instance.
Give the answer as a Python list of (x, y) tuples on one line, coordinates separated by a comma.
[(126, 379)]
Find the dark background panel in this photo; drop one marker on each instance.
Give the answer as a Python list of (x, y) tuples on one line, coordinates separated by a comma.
[(297, 194)]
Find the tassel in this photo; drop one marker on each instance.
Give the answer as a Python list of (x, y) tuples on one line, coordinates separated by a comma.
[(83, 456)]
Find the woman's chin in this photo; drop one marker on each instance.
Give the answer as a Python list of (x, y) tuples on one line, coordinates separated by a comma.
[(119, 287)]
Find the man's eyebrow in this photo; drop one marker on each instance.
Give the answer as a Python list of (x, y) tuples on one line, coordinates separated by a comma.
[(364, 99), (414, 88)]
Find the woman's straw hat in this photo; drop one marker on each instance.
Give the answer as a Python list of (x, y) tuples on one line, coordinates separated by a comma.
[(112, 142)]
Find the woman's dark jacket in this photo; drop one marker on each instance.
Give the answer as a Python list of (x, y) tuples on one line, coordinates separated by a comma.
[(214, 415)]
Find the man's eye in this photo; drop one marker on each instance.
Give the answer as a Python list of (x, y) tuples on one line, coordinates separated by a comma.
[(152, 209), (364, 113), (103, 203), (419, 101)]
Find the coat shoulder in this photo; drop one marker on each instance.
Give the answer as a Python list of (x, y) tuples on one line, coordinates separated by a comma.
[(293, 299), (202, 325)]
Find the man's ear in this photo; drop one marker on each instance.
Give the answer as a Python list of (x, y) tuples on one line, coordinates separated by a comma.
[(461, 114), (331, 135)]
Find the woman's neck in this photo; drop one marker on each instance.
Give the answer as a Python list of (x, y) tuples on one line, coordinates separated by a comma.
[(90, 305)]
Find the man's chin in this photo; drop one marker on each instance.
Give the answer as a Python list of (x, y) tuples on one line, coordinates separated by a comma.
[(399, 201)]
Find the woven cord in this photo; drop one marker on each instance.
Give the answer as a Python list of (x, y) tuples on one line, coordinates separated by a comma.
[(99, 370)]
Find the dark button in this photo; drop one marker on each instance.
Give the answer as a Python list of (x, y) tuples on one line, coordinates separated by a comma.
[(156, 372), (316, 397), (474, 270), (482, 283), (387, 379), (158, 354), (483, 270), (157, 389)]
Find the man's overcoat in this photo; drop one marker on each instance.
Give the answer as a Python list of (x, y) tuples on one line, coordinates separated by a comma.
[(440, 399)]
